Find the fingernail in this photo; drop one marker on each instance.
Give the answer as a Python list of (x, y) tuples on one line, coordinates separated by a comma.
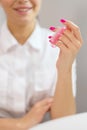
[(52, 42), (49, 40), (62, 20), (50, 37), (55, 38), (52, 28)]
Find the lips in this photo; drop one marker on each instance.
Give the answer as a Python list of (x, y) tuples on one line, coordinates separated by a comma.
[(22, 9)]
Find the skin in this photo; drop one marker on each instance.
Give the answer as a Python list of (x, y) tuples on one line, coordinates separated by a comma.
[(69, 43), (23, 23), (20, 23)]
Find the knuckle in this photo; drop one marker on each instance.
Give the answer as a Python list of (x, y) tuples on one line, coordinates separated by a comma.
[(66, 31), (78, 45), (77, 28)]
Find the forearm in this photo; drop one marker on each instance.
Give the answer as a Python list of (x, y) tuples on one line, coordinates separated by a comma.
[(9, 124), (13, 124), (64, 102), (30, 119)]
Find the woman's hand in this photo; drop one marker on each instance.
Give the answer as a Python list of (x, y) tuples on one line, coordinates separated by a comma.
[(69, 43), (36, 114)]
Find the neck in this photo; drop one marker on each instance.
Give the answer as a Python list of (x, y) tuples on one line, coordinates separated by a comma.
[(21, 32)]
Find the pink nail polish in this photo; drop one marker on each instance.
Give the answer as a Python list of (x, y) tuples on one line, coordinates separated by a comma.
[(62, 20), (52, 28), (49, 40), (50, 37), (56, 36)]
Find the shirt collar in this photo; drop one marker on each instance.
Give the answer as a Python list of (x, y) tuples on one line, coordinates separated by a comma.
[(8, 40), (35, 40)]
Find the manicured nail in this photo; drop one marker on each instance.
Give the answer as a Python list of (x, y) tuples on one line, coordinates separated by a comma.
[(49, 40), (52, 41), (50, 37), (62, 20), (52, 28), (55, 38), (52, 44)]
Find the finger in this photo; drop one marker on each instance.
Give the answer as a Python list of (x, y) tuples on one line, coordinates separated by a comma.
[(56, 36), (47, 107), (45, 101), (54, 29), (70, 25), (65, 40), (72, 38), (61, 45)]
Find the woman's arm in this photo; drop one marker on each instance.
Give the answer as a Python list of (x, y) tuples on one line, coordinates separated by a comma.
[(32, 118), (69, 43), (11, 124), (64, 102)]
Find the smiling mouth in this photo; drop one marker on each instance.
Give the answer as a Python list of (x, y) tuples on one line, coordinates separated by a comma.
[(23, 10)]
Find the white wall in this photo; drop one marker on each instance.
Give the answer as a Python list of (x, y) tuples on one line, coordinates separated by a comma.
[(2, 16), (75, 10)]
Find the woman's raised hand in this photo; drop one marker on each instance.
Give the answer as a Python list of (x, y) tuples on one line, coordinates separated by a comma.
[(69, 41)]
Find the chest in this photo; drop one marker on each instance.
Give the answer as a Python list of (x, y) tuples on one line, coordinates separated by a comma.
[(22, 79), (24, 70)]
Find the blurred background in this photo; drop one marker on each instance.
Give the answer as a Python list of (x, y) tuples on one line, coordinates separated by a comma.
[(74, 10)]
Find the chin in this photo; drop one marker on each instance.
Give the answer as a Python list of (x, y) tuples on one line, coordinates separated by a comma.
[(23, 21)]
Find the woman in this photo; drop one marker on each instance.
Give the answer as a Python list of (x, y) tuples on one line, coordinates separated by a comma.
[(34, 77)]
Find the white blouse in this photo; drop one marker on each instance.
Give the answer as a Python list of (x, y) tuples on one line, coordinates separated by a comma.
[(27, 72)]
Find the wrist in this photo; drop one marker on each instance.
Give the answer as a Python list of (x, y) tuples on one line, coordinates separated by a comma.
[(23, 123), (64, 71), (26, 122)]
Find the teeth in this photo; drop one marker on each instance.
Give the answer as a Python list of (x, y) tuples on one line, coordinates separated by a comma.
[(23, 10)]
